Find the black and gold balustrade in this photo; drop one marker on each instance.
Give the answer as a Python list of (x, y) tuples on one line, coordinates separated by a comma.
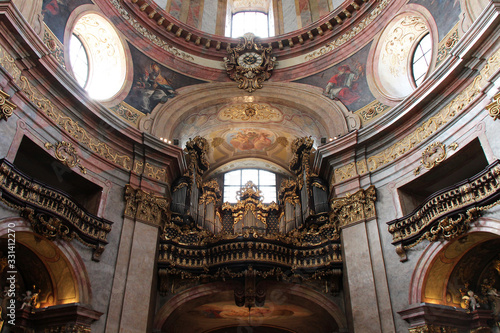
[(448, 213), (193, 253), (52, 213)]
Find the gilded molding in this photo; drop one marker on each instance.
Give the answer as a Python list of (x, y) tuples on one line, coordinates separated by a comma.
[(149, 35), (155, 172), (353, 208), (432, 125), (146, 207), (447, 44), (6, 105), (494, 107), (51, 213), (249, 63), (353, 32), (432, 329), (433, 155), (447, 214), (70, 126), (55, 47), (345, 172), (372, 110), (66, 153), (127, 112)]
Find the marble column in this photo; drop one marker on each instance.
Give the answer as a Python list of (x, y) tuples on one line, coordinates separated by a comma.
[(364, 267), (366, 279), (133, 293)]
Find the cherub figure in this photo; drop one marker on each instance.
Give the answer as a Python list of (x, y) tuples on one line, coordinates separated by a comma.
[(27, 300), (471, 301)]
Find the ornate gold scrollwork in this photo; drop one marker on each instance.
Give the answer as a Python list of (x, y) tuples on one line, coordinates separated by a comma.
[(432, 329), (433, 155), (197, 150), (254, 112), (249, 63), (146, 207), (494, 107), (6, 106), (250, 201), (353, 208), (211, 192), (65, 152)]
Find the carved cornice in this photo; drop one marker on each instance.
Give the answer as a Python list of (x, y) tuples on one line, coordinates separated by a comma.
[(50, 212), (6, 106), (197, 39), (146, 207), (353, 208), (249, 63), (433, 155), (448, 213), (66, 153)]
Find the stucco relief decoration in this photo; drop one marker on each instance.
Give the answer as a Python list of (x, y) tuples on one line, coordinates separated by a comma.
[(7, 106), (146, 207), (494, 107), (254, 5), (249, 63), (433, 155), (99, 38), (66, 153), (353, 208), (254, 112), (399, 43)]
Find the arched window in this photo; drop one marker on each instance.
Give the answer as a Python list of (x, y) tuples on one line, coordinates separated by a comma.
[(79, 60), (421, 59), (236, 179), (245, 16), (97, 57), (254, 22)]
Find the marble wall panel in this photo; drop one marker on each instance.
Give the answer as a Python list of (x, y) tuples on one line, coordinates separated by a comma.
[(209, 18), (290, 23)]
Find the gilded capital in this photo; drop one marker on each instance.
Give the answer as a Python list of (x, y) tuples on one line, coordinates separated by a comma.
[(353, 208), (146, 207)]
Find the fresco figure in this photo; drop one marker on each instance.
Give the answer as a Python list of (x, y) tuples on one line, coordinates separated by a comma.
[(250, 139), (342, 86), (152, 88)]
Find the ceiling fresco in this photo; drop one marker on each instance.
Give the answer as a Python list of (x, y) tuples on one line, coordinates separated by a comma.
[(279, 314), (346, 81)]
